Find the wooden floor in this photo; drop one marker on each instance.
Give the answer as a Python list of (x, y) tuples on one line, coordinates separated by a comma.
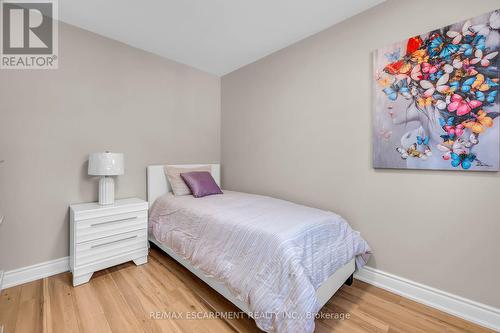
[(122, 299)]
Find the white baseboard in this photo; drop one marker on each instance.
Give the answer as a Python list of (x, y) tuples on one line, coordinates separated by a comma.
[(35, 272), (475, 312), (1, 281)]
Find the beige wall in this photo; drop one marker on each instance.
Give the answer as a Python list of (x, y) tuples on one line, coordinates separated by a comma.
[(297, 125), (104, 96)]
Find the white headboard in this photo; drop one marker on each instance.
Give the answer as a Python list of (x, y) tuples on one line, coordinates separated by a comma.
[(158, 184)]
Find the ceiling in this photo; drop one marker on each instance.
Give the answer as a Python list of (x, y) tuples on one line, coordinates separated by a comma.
[(217, 36)]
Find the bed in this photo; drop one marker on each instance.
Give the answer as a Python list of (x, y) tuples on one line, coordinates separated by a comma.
[(224, 239)]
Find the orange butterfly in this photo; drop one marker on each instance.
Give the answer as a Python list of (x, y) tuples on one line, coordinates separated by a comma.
[(424, 102), (479, 125), (385, 80), (419, 56), (482, 85)]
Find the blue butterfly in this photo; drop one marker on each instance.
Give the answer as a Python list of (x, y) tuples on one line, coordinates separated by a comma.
[(400, 87), (391, 93), (448, 50), (423, 140), (467, 49), (447, 137), (438, 45), (490, 98), (435, 45), (466, 85), (468, 38), (463, 159), (479, 42), (436, 76), (448, 122), (455, 85), (393, 56), (491, 83)]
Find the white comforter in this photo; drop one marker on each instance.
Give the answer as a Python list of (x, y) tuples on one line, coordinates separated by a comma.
[(271, 254)]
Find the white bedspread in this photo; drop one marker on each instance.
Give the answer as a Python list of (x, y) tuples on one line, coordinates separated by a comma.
[(271, 254)]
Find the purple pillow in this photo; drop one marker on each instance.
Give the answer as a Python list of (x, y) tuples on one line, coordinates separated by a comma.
[(201, 183)]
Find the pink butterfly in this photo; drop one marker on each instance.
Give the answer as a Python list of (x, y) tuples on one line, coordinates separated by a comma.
[(483, 59), (428, 68), (454, 130), (440, 85), (462, 107)]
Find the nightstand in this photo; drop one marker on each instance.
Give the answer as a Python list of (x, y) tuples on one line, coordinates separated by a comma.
[(104, 236)]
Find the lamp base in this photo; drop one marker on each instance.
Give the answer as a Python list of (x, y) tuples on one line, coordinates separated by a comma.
[(106, 191)]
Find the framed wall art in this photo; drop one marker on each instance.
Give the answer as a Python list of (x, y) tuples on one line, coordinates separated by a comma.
[(435, 99)]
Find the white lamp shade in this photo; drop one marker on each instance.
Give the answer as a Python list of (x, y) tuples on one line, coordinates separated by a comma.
[(106, 164)]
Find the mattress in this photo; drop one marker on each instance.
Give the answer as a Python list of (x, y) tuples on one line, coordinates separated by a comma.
[(271, 254)]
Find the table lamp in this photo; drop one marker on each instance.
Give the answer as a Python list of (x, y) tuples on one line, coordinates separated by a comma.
[(106, 165)]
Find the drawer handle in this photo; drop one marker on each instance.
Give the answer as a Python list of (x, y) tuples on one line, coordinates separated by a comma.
[(114, 221), (115, 241)]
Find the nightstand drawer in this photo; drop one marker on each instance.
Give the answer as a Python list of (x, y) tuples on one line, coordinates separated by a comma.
[(102, 248), (100, 227)]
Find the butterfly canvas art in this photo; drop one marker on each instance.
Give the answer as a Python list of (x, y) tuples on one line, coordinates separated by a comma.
[(437, 96)]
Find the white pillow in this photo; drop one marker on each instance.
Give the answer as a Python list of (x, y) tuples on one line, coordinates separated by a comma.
[(178, 185)]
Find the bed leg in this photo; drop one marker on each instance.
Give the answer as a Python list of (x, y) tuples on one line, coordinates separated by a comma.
[(349, 280)]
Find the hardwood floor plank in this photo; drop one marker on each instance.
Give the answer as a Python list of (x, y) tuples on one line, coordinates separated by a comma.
[(9, 307), (118, 313), (142, 301), (46, 308), (90, 315), (372, 290), (452, 321), (62, 316), (213, 300), (129, 298), (29, 315), (385, 308), (342, 306), (188, 300), (181, 301)]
